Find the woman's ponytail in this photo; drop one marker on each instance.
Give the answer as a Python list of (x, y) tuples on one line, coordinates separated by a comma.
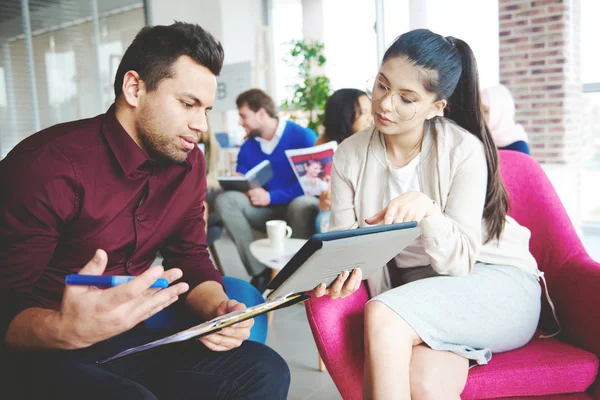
[(465, 108)]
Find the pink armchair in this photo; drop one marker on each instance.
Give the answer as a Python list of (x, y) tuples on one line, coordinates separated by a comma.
[(565, 366)]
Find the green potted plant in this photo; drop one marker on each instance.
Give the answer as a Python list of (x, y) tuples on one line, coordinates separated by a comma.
[(311, 94)]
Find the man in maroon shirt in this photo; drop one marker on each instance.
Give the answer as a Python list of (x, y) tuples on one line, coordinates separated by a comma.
[(130, 182)]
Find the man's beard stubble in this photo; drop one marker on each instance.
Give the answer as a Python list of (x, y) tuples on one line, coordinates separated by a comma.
[(154, 142)]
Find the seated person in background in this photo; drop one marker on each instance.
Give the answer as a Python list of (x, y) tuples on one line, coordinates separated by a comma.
[(131, 181), (268, 137), (499, 112), (212, 152), (347, 111)]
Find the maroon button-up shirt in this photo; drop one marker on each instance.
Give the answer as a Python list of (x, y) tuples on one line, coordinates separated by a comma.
[(76, 187)]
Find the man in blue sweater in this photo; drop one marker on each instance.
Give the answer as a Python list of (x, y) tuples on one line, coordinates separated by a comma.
[(268, 137)]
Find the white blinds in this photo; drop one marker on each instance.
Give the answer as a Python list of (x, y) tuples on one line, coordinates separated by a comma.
[(75, 48)]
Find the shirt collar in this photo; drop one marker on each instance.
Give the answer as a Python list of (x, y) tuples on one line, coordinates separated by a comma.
[(278, 132), (129, 155)]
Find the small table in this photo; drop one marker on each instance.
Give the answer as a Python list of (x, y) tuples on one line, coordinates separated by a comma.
[(276, 259), (261, 249)]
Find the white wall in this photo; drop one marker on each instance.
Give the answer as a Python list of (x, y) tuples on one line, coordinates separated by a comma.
[(313, 19), (286, 26), (206, 13), (396, 15), (240, 22), (351, 44), (474, 21)]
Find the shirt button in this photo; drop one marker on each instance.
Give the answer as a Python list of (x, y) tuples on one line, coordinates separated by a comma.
[(129, 264), (139, 218)]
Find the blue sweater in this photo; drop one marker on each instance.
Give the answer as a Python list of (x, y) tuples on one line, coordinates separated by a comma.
[(284, 186)]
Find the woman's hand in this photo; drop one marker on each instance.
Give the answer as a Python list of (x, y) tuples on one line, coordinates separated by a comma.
[(325, 200), (345, 284), (411, 206)]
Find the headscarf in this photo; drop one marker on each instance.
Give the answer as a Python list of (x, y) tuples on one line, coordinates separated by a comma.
[(501, 116)]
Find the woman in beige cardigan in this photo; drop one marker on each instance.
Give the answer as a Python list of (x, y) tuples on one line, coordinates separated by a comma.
[(469, 285)]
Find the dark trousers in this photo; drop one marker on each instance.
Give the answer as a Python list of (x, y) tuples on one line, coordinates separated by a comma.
[(186, 370)]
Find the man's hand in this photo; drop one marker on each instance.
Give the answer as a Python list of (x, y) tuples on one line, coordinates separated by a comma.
[(259, 197), (89, 315), (232, 336)]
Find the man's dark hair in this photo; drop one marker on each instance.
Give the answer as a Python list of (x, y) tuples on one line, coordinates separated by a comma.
[(257, 99), (156, 48)]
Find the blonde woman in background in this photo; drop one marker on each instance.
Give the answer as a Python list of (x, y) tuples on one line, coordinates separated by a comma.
[(212, 154)]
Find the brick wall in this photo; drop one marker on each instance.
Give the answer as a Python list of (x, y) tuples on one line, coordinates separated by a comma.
[(539, 63)]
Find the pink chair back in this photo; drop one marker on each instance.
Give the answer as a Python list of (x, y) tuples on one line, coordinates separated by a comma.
[(535, 204)]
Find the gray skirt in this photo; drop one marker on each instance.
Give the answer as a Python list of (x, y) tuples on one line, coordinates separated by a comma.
[(494, 309)]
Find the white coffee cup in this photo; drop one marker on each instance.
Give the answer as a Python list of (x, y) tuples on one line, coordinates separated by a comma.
[(278, 231)]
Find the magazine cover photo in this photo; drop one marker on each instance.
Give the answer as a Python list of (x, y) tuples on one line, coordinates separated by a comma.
[(312, 167)]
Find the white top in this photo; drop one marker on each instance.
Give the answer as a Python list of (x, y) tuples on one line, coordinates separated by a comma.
[(401, 181), (268, 146)]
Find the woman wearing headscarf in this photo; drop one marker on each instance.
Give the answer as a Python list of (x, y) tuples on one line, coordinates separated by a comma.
[(499, 110)]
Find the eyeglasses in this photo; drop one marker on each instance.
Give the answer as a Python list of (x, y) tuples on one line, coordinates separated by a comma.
[(404, 108)]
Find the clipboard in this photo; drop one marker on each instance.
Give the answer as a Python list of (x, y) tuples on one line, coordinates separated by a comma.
[(215, 324), (326, 255), (322, 258)]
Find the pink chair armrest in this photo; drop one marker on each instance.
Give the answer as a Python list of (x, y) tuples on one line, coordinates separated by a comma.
[(577, 300), (337, 326)]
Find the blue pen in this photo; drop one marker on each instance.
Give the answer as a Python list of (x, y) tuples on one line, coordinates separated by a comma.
[(106, 281)]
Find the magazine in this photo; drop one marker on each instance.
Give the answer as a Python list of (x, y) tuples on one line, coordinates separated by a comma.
[(256, 177), (312, 167)]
